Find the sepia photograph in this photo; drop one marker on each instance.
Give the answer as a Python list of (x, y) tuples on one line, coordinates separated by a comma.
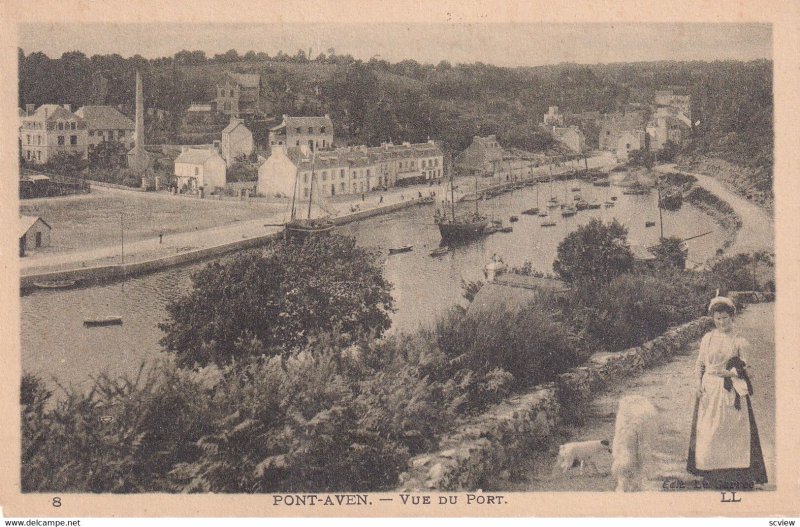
[(325, 262)]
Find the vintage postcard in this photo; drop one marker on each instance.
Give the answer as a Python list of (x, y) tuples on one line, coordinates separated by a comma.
[(403, 259)]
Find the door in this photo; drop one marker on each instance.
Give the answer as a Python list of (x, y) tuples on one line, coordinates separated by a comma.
[(38, 239), (333, 189), (22, 245)]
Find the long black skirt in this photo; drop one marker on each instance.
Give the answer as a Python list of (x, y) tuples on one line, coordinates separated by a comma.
[(730, 478)]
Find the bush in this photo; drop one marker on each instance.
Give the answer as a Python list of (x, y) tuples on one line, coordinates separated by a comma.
[(275, 299), (322, 419), (634, 308), (593, 255), (492, 352)]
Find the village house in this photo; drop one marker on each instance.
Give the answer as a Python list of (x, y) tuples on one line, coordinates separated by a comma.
[(34, 233), (106, 123), (553, 117), (314, 132), (199, 113), (484, 156), (663, 129), (197, 168), (613, 125), (571, 137), (670, 98), (629, 141), (237, 141), (347, 170), (238, 94), (50, 129)]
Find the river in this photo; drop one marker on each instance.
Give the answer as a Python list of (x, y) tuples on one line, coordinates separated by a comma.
[(56, 345)]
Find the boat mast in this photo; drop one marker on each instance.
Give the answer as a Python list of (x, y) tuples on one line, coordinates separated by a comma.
[(311, 190), (476, 196), (452, 192)]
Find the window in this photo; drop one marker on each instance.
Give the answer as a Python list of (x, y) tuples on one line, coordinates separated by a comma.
[(367, 172), (111, 135), (73, 140), (305, 178), (60, 140), (341, 175), (342, 187), (322, 129), (29, 139), (91, 133), (39, 155), (305, 192), (323, 143), (353, 175), (29, 158), (196, 171), (436, 162), (60, 125), (72, 126), (325, 176), (297, 144), (310, 129), (297, 130), (231, 92)]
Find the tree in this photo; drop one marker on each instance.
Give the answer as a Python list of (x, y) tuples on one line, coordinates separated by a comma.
[(242, 169), (108, 154), (668, 152), (68, 164), (593, 254), (671, 251), (272, 301)]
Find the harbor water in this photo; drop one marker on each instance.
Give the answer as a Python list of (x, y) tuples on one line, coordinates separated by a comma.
[(56, 345)]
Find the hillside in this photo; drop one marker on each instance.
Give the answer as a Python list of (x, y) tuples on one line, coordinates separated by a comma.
[(375, 101)]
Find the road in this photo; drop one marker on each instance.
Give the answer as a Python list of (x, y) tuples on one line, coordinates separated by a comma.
[(757, 231), (671, 387)]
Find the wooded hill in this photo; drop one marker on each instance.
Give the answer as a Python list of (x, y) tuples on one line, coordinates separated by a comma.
[(375, 101)]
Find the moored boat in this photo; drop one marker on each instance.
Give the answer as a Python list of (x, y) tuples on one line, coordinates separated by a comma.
[(55, 284), (103, 321), (548, 224), (401, 249), (531, 212), (441, 251)]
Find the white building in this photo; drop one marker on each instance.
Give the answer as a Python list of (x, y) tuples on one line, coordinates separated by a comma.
[(629, 141), (33, 233), (237, 140), (200, 168), (349, 170), (571, 137), (314, 132), (106, 123), (553, 117)]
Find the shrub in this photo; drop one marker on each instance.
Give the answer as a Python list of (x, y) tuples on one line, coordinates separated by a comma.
[(276, 299), (593, 255), (491, 352)]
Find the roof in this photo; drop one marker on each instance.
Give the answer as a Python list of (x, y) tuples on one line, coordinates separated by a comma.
[(105, 118), (356, 156), (26, 222), (36, 177), (513, 291), (304, 122), (196, 156), (53, 112), (233, 125), (194, 107)]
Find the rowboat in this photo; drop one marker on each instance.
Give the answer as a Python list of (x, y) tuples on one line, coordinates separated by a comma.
[(104, 321), (512, 219), (441, 251), (507, 229), (56, 284), (401, 249), (649, 224), (548, 224), (531, 212)]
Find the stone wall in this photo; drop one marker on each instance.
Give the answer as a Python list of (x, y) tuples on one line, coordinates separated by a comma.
[(485, 448)]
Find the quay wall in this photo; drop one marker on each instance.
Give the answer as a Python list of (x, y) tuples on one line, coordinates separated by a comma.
[(115, 272)]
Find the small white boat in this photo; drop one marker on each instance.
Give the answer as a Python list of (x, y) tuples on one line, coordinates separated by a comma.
[(103, 321)]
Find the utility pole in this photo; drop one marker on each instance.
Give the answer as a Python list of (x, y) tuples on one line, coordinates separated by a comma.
[(122, 234), (660, 216)]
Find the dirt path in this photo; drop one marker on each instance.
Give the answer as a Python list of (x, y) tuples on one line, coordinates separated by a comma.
[(757, 231), (670, 386)]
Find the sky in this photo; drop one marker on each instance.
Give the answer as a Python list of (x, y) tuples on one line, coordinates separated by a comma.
[(502, 44)]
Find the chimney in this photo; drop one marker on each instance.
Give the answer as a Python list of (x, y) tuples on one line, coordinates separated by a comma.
[(29, 109), (215, 146), (67, 107)]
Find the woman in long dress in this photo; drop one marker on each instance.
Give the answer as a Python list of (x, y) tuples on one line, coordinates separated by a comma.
[(724, 447)]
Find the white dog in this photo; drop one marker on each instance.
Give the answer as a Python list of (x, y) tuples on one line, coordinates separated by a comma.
[(634, 432), (581, 453)]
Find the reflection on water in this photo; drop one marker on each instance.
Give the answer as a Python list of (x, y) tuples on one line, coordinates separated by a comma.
[(55, 342)]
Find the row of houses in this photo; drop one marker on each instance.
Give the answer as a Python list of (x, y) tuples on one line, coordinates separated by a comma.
[(294, 170)]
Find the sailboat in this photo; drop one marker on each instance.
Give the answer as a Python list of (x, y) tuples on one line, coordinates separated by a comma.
[(300, 228), (458, 229)]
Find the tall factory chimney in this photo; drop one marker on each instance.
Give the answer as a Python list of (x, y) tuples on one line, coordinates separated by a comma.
[(138, 158)]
